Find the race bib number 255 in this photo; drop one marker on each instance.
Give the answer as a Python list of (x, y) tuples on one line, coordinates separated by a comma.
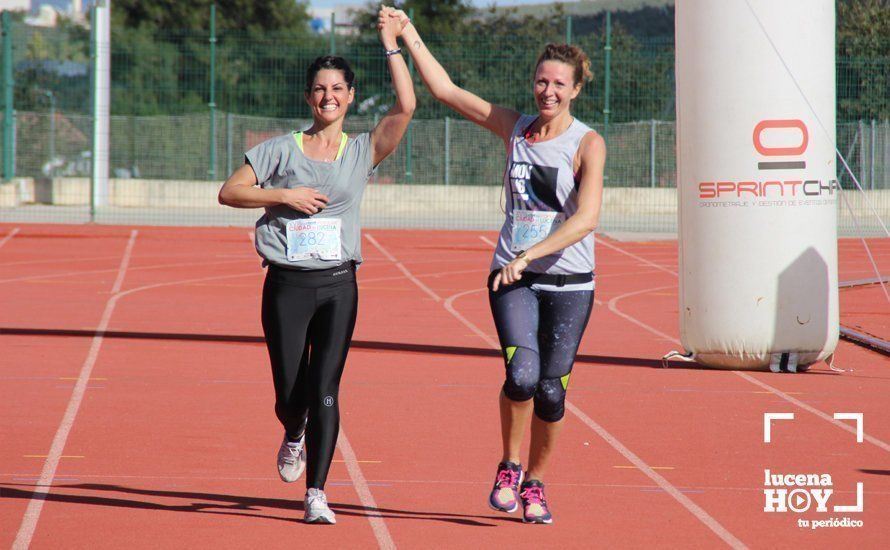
[(531, 227)]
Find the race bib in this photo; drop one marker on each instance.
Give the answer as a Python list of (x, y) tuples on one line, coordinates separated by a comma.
[(313, 238), (531, 227)]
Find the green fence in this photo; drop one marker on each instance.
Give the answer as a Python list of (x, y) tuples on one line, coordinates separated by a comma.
[(164, 127)]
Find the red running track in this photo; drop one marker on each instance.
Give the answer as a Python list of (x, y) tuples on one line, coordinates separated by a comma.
[(137, 406)]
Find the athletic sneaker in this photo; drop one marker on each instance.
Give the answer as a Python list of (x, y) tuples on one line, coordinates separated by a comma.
[(505, 493), (292, 459), (534, 505), (316, 505)]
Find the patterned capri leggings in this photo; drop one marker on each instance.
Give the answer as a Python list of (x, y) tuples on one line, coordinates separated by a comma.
[(539, 332)]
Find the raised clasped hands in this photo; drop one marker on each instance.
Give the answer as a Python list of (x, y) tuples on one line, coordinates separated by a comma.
[(392, 20)]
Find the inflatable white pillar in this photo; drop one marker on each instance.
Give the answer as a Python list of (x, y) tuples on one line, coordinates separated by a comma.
[(757, 181)]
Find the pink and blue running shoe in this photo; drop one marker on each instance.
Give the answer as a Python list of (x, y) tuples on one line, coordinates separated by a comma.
[(534, 505), (505, 493)]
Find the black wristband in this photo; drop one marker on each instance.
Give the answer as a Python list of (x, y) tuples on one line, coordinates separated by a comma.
[(390, 53)]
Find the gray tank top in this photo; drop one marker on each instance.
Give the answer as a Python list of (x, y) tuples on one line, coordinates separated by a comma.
[(540, 185), (280, 163)]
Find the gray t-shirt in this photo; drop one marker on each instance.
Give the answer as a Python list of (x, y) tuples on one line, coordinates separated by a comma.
[(279, 163)]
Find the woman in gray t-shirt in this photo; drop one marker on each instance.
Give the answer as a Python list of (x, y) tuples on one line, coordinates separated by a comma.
[(310, 185), (541, 282)]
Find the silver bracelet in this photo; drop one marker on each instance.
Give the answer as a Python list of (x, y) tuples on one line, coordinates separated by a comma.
[(390, 53)]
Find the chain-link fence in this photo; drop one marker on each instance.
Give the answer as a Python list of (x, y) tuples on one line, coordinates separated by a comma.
[(171, 149)]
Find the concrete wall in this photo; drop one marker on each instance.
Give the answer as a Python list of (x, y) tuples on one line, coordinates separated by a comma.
[(16, 191), (634, 209)]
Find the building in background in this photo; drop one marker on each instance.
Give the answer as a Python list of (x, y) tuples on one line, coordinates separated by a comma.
[(67, 7), (321, 18), (45, 13), (15, 5)]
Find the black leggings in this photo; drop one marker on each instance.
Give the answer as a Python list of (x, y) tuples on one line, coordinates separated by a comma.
[(308, 318), (539, 333)]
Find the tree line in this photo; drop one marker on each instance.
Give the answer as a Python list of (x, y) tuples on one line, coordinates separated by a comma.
[(161, 58)]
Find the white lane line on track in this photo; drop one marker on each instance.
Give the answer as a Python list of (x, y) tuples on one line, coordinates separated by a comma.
[(425, 275), (403, 269), (687, 503), (635, 257), (88, 259), (35, 504), (613, 306), (449, 306), (488, 241), (7, 238), (378, 524), (614, 309), (95, 271), (57, 261)]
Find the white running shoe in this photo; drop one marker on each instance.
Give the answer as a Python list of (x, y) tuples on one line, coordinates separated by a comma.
[(316, 505), (291, 459)]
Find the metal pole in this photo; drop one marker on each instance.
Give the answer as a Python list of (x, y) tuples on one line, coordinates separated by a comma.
[(52, 130), (409, 139), (211, 172), (229, 144), (862, 155), (885, 162), (134, 168), (376, 122), (608, 63), (652, 153), (840, 178), (871, 157), (568, 29), (447, 150), (333, 35), (8, 87), (408, 143)]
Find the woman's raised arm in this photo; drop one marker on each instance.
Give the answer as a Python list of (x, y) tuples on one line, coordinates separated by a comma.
[(386, 135), (499, 120)]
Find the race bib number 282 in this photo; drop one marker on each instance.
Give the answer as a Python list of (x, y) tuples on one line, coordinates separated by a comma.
[(314, 238)]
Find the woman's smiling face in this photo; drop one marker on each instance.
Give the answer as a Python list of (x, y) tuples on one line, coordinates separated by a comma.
[(329, 96), (554, 88)]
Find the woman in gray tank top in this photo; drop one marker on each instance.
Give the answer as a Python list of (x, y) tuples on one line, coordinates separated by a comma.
[(310, 185), (541, 283)]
